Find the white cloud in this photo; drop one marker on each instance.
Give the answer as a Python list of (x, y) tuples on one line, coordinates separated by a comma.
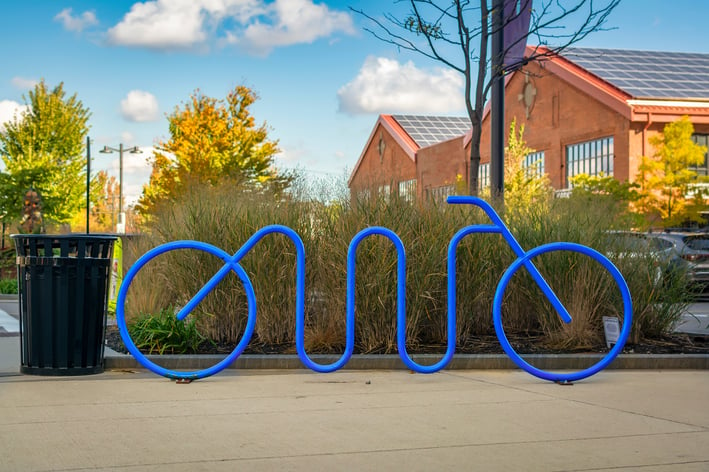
[(139, 106), (136, 163), (291, 155), (127, 137), (255, 25), (386, 86), (76, 23), (9, 111), (136, 172), (169, 24), (24, 83), (292, 22)]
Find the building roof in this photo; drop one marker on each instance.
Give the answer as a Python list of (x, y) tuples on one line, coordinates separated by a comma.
[(642, 86), (428, 130), (646, 86), (648, 74), (413, 132)]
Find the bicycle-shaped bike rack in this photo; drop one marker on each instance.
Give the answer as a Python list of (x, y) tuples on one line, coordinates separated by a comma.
[(524, 258)]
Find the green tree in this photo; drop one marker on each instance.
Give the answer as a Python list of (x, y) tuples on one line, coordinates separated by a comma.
[(605, 191), (211, 141), (666, 177), (605, 186), (44, 149)]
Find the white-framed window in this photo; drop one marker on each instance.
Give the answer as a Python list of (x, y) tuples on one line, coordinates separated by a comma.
[(590, 157), (534, 164), (483, 176), (385, 192), (364, 195), (702, 140), (439, 194), (407, 190)]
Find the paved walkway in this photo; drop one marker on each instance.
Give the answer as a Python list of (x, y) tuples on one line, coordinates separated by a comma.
[(130, 420), (10, 357), (356, 420), (695, 320), (9, 325)]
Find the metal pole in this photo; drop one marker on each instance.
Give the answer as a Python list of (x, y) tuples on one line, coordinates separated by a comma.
[(497, 105), (88, 181), (120, 183)]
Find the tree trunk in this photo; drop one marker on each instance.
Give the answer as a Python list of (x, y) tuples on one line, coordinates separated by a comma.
[(474, 167)]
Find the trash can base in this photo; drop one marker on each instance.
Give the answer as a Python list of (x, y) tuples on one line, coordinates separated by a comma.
[(59, 371)]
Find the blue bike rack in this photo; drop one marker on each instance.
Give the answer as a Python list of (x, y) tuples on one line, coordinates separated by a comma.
[(231, 263)]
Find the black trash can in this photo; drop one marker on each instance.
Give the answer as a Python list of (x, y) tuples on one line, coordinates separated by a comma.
[(63, 283)]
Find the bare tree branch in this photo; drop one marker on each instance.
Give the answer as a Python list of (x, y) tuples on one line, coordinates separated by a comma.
[(446, 31)]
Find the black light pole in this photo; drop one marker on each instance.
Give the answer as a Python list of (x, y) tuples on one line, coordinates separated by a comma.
[(119, 150), (88, 180), (497, 104)]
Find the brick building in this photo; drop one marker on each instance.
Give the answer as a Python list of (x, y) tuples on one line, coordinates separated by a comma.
[(591, 111), (405, 154)]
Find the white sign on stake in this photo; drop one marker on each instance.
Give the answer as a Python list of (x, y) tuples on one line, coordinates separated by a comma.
[(611, 326)]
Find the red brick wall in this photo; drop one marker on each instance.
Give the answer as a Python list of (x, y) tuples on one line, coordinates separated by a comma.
[(389, 169), (560, 115), (439, 165)]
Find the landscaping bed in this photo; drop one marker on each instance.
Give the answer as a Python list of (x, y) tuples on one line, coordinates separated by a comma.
[(676, 343)]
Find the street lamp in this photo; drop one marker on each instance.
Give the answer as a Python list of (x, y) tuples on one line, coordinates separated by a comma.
[(120, 150), (88, 182)]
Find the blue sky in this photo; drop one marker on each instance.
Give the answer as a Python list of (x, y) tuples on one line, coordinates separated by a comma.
[(322, 80)]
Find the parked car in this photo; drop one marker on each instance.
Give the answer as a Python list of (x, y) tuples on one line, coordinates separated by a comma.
[(690, 252), (669, 251), (624, 245)]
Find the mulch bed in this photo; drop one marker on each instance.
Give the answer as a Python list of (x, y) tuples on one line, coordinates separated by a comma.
[(524, 344)]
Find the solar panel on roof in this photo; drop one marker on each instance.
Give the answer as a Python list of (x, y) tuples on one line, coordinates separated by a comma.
[(648, 74), (428, 130)]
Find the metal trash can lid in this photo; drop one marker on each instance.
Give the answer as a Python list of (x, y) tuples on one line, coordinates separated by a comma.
[(78, 245)]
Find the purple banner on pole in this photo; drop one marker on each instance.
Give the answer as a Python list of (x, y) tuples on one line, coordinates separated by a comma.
[(517, 15)]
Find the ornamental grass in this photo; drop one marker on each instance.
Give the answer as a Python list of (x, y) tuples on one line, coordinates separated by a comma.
[(326, 220)]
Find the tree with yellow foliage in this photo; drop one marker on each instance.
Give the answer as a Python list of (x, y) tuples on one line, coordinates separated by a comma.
[(105, 194), (667, 178), (525, 186), (104, 206), (211, 141)]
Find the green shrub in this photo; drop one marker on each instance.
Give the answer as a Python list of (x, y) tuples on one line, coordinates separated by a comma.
[(8, 286), (8, 267), (164, 333)]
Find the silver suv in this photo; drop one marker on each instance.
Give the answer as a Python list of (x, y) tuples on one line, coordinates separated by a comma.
[(689, 251), (634, 245)]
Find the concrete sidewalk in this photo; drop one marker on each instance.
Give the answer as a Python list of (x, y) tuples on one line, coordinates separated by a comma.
[(356, 420)]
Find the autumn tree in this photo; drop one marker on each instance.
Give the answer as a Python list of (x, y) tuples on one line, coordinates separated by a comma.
[(43, 149), (103, 195), (667, 177), (458, 34), (211, 141), (526, 186)]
